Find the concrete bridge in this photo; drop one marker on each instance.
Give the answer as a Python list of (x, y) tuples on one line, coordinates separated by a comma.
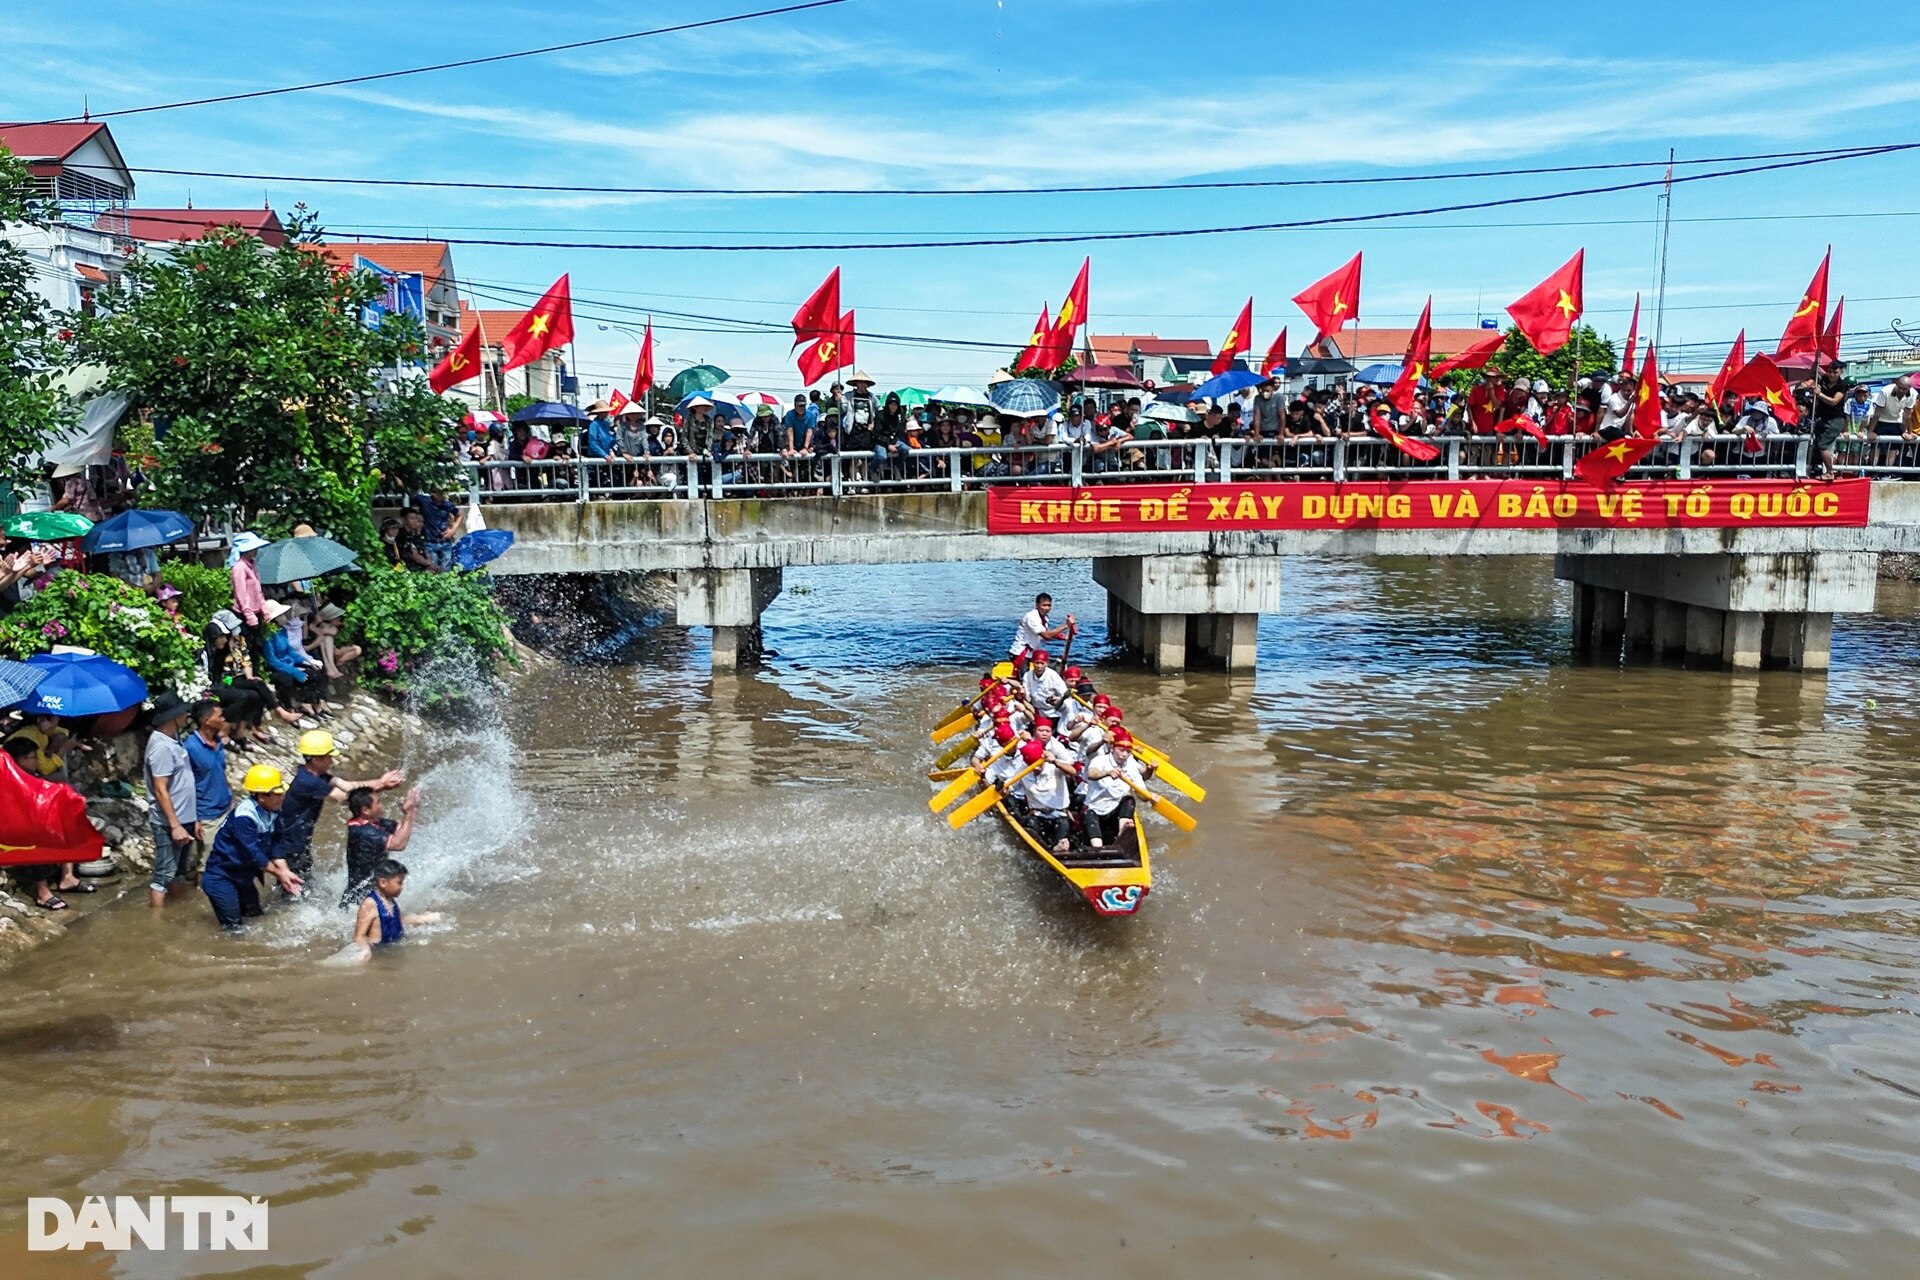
[(1741, 597)]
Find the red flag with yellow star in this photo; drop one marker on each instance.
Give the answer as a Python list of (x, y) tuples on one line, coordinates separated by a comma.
[(1474, 357), (643, 368), (1809, 318), (1830, 339), (1276, 361), (1611, 461), (1649, 415), (548, 324), (1332, 301), (1547, 312), (461, 363), (1037, 345), (1406, 388), (1072, 314), (1418, 450), (1633, 339), (1717, 389), (1234, 345), (1761, 379)]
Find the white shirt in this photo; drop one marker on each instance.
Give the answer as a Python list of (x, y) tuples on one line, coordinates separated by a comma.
[(1029, 634), (1613, 410), (1045, 689), (1890, 406), (1071, 432), (1049, 787), (1107, 782)]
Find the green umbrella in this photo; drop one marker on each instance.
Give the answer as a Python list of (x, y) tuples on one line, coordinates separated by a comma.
[(701, 377), (913, 397), (46, 526), (291, 559)]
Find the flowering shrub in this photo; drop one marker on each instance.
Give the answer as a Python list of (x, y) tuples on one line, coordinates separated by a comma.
[(421, 621), (203, 590), (102, 613)]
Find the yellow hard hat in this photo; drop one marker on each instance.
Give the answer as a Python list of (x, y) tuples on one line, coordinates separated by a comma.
[(1002, 671), (264, 779), (316, 742)]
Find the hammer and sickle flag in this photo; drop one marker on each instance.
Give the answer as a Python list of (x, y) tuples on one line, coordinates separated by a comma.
[(1808, 324), (460, 364), (828, 352), (1332, 301), (1234, 345)]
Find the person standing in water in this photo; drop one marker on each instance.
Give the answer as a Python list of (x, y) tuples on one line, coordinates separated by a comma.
[(380, 922)]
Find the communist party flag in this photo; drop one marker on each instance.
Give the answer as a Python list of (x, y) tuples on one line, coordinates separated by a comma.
[(1761, 379), (1717, 389), (1418, 450), (460, 364), (1276, 361), (1830, 340), (1633, 339), (1406, 387), (1474, 357), (1036, 348), (831, 350), (1234, 345), (547, 325), (1808, 324), (1332, 301), (819, 315), (643, 369), (1611, 461), (1546, 312)]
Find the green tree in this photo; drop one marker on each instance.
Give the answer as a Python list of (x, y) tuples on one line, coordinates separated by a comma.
[(1519, 359), (258, 363), (412, 432), (30, 350)]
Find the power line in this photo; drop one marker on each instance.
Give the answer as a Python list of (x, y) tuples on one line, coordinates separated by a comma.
[(450, 66)]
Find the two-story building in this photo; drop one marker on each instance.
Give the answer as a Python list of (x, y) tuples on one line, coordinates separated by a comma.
[(77, 171)]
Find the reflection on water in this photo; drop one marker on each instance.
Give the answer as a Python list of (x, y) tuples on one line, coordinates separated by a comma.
[(1480, 960)]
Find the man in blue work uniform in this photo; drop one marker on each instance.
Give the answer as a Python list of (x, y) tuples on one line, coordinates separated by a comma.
[(312, 786), (243, 851)]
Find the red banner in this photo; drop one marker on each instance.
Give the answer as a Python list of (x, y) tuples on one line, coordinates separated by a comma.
[(1428, 504)]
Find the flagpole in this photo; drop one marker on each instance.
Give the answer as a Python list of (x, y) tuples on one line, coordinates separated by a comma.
[(1666, 236)]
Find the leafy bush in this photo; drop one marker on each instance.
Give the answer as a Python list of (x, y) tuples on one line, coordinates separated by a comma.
[(417, 626), (106, 615), (203, 591)]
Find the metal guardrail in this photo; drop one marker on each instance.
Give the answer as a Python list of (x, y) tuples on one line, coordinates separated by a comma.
[(1323, 458)]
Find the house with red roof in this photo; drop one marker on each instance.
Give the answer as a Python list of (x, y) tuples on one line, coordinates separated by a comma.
[(169, 226), (432, 261), (77, 170)]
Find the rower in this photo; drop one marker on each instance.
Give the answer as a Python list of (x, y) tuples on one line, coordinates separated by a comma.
[(1044, 688), (998, 735), (1049, 792), (997, 773), (1033, 632), (1076, 715), (1109, 797)]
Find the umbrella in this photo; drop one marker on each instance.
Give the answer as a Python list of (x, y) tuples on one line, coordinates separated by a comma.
[(291, 559), (83, 684), (754, 399), (17, 680), (701, 377), (962, 396), (1161, 411), (136, 529), (1319, 366), (1382, 375), (46, 526), (1106, 375), (484, 418), (1024, 397), (549, 411), (913, 397), (482, 547), (725, 407), (1178, 394), (1226, 384)]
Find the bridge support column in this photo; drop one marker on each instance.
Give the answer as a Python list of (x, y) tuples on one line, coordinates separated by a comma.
[(1669, 630), (1173, 609), (731, 602), (1741, 612)]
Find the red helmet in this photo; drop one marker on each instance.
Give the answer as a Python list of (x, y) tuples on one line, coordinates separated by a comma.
[(1033, 752), (986, 682), (1039, 655), (1114, 714), (1072, 674), (1101, 700), (1121, 738), (1002, 732)]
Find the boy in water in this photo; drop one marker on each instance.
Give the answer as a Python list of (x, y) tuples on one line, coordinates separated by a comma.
[(372, 836), (380, 921)]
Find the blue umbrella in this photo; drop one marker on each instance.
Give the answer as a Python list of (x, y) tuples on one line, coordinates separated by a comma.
[(83, 684), (482, 547), (1227, 383), (1024, 397), (17, 680), (724, 409), (1381, 375), (136, 529), (549, 411)]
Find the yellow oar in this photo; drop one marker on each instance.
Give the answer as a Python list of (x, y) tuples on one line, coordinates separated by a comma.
[(1162, 766), (987, 798), (958, 720), (964, 783), (1165, 808), (954, 752)]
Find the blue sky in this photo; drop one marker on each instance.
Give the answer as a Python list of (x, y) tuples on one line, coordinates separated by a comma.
[(974, 93)]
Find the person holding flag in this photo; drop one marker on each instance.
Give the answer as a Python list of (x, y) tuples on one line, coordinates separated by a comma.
[(1610, 461)]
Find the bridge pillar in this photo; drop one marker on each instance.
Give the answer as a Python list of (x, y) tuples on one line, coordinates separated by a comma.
[(1741, 611), (731, 602), (1170, 609)]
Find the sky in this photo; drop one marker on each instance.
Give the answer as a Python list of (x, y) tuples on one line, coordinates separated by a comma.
[(961, 95)]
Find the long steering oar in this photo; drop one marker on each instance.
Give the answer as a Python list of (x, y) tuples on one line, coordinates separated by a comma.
[(1165, 808), (964, 783), (987, 798)]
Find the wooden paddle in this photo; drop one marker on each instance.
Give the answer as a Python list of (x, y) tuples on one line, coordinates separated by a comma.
[(987, 798), (1165, 808), (958, 720), (1162, 766), (964, 783)]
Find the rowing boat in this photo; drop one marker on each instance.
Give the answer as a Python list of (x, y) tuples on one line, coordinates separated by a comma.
[(1114, 880)]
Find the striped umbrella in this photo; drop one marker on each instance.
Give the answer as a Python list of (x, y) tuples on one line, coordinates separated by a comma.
[(754, 399), (1024, 397)]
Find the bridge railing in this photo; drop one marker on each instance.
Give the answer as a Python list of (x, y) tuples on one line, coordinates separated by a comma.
[(1331, 458)]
